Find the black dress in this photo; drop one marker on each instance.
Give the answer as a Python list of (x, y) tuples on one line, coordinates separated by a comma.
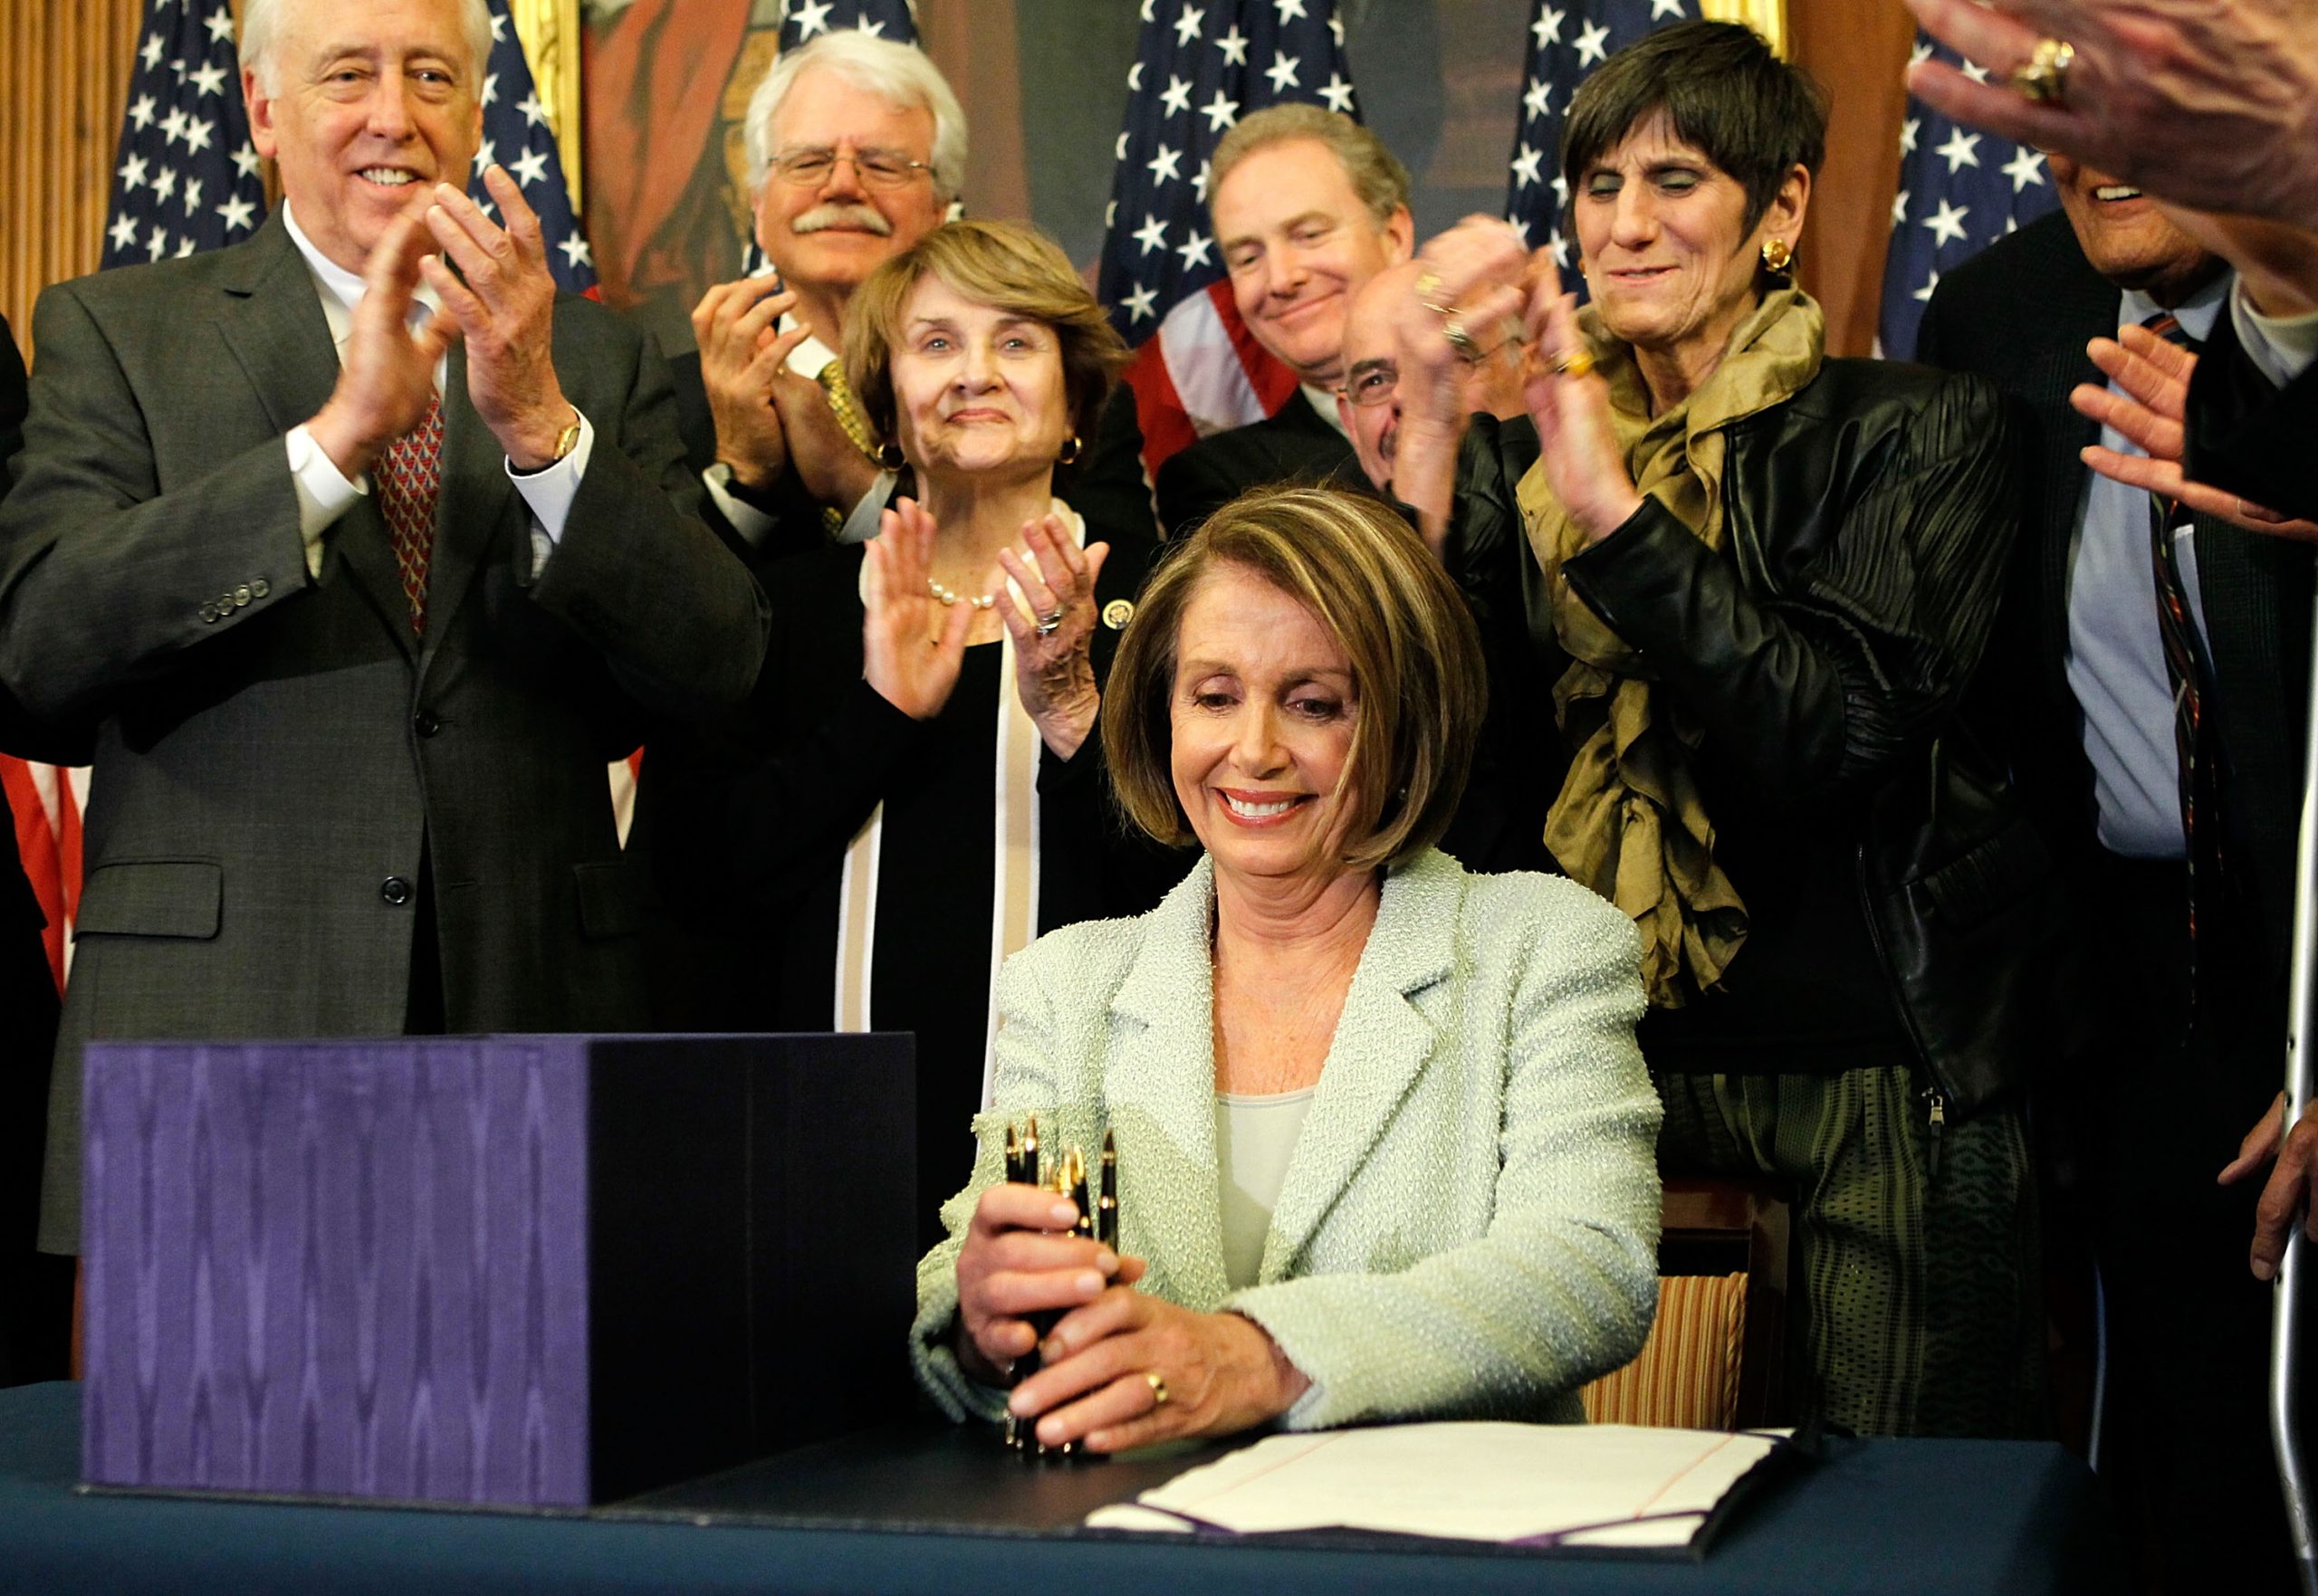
[(747, 826)]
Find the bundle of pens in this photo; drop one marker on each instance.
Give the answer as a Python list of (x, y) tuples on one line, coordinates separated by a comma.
[(1099, 1220)]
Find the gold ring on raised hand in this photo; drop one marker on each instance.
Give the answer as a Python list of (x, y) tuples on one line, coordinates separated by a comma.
[(1428, 285), (1158, 1388), (2043, 78), (1574, 365)]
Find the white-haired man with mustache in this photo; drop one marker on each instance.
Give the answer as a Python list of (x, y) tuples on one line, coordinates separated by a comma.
[(857, 146)]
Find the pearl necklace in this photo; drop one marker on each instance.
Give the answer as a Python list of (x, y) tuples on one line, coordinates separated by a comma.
[(947, 597)]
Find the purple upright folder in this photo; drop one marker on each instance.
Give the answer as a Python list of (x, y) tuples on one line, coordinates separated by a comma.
[(528, 1271)]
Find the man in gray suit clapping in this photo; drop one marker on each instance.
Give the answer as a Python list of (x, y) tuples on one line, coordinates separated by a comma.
[(358, 552)]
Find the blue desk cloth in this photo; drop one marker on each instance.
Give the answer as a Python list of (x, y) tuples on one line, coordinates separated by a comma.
[(1886, 1517)]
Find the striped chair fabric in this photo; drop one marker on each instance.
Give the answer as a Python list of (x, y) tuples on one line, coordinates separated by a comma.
[(1687, 1374)]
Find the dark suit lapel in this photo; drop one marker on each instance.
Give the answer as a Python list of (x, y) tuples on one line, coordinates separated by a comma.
[(273, 323), (479, 505), (1300, 416)]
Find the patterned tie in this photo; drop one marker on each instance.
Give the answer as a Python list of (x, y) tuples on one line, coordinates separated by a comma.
[(2200, 769), (409, 480)]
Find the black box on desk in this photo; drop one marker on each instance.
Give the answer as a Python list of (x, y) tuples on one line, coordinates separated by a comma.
[(526, 1271)]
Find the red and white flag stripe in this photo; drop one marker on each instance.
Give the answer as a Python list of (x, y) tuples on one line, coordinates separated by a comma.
[(47, 801), (1200, 372)]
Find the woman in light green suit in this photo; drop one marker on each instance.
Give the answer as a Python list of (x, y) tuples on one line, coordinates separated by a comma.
[(1385, 1138)]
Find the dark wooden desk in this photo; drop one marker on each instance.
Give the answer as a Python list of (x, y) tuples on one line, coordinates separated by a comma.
[(938, 1511)]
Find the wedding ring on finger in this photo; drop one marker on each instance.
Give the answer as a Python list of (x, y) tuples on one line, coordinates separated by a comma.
[(1158, 1388), (1576, 364), (1050, 622), (1428, 285), (2043, 78)]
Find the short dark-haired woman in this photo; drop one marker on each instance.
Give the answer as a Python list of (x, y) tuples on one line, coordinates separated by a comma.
[(1767, 576)]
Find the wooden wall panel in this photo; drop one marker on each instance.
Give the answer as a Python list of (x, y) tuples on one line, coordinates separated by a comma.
[(1857, 50), (63, 80)]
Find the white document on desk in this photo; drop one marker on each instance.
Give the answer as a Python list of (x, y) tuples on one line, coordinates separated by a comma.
[(1598, 1486)]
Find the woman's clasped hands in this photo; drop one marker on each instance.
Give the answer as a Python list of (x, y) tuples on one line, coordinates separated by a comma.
[(1119, 1369), (913, 638), (1480, 286)]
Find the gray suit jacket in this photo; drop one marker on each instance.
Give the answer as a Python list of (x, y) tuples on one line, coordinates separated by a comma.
[(1469, 1225), (272, 783)]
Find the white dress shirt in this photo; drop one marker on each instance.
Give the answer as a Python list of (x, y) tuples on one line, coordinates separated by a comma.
[(2282, 347), (323, 492)]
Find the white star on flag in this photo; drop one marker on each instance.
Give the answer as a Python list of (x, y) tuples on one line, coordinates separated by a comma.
[(1338, 93), (1221, 112), (2025, 168), (1593, 45), (1152, 235), (1176, 96), (1947, 224), (1962, 149), (1194, 251), (1234, 45), (1282, 72), (1187, 26), (1525, 165), (1163, 167)]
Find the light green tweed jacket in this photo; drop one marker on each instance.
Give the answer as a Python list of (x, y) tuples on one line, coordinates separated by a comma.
[(1469, 1223)]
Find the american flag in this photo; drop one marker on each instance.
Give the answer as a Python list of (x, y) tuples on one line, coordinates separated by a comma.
[(1198, 69), (516, 134), (888, 19), (1566, 41), (1961, 190), (185, 177)]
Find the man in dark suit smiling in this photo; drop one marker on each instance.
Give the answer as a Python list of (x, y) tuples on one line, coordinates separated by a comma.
[(1307, 207), (361, 552), (2148, 663)]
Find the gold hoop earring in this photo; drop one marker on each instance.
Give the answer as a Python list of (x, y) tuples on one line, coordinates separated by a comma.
[(889, 455), (1778, 258), (1070, 451)]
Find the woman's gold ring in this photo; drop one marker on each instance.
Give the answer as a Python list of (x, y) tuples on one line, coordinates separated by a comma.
[(2043, 78), (1428, 285), (1574, 365), (1158, 1388)]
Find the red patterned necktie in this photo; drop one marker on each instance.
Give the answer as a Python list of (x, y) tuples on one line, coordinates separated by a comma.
[(410, 480)]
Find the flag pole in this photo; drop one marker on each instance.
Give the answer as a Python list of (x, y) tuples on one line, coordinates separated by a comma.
[(2291, 1308)]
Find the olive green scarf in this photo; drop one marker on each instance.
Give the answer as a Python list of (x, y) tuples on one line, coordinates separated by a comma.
[(1629, 822)]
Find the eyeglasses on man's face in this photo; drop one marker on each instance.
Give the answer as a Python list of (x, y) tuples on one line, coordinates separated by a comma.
[(1372, 382), (875, 169)]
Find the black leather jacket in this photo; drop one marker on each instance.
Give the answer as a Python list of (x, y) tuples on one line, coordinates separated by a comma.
[(1823, 651)]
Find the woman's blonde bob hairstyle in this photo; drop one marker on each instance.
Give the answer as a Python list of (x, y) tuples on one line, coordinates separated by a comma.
[(1015, 268), (1369, 580)]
